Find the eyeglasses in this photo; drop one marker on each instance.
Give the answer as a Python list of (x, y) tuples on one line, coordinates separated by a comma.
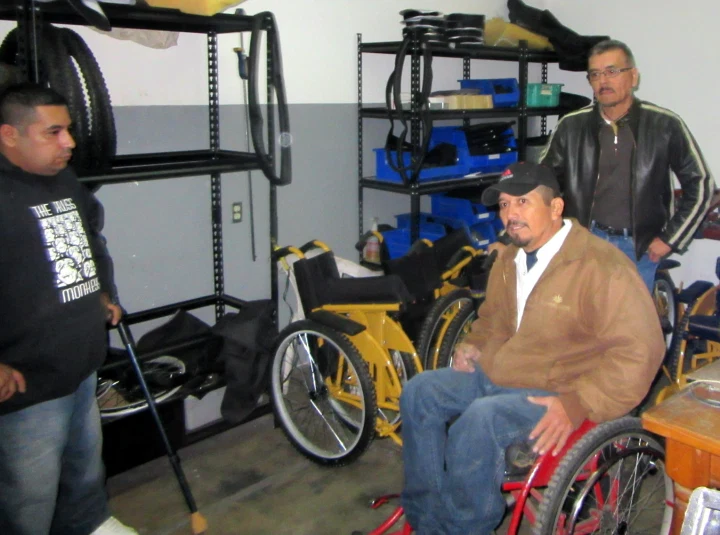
[(610, 72)]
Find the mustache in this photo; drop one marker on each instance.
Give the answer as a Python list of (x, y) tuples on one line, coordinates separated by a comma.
[(607, 90), (512, 222)]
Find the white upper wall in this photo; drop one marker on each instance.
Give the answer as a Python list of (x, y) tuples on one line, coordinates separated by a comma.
[(319, 49)]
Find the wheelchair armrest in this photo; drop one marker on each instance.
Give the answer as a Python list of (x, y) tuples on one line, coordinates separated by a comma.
[(337, 322)]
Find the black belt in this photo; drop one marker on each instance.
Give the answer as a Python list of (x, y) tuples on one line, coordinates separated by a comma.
[(613, 231)]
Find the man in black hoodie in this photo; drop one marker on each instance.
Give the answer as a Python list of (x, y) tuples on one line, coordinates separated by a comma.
[(56, 298)]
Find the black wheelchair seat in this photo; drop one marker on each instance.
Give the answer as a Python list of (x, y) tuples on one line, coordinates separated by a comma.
[(319, 283)]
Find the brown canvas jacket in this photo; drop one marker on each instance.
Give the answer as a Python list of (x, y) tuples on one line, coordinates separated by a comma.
[(589, 332)]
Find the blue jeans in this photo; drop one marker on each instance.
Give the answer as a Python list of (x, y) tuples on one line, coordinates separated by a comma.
[(453, 476), (646, 267), (53, 478)]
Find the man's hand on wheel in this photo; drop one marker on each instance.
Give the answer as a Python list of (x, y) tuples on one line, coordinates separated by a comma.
[(11, 381), (553, 429), (465, 357)]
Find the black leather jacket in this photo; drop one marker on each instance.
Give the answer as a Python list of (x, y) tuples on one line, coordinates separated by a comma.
[(664, 146)]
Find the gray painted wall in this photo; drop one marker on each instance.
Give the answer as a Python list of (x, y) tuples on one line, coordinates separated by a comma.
[(159, 232)]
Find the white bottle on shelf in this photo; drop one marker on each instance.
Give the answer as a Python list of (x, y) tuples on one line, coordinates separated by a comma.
[(371, 253)]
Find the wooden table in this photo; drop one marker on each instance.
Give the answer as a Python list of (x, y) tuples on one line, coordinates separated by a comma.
[(692, 431)]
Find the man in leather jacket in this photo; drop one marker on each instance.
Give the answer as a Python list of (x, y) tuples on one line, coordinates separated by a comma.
[(616, 161)]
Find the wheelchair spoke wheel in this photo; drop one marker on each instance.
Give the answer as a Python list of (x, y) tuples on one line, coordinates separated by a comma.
[(119, 394), (322, 394), (612, 481), (435, 325), (456, 331)]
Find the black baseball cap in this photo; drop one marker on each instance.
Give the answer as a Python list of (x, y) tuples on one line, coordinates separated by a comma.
[(518, 179)]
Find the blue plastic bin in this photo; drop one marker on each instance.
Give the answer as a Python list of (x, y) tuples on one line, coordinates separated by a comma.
[(463, 209), (505, 91), (481, 233), (439, 134), (398, 243)]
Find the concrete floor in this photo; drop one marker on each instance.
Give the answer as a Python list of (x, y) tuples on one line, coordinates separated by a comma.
[(250, 480)]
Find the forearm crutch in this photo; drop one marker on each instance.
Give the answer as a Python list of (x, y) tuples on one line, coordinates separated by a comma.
[(197, 521)]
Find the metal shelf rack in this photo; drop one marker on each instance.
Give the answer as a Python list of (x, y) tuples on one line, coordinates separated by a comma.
[(212, 161), (522, 55)]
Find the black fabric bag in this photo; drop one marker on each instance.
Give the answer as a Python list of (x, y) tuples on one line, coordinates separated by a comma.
[(248, 338), (183, 327)]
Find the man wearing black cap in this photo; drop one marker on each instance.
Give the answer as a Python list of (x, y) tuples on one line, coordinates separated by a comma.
[(551, 347)]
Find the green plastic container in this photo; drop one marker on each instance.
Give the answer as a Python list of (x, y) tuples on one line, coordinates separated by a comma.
[(543, 95)]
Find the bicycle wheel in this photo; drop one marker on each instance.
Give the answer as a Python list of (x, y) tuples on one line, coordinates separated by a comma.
[(435, 324), (612, 481), (119, 394), (322, 394), (456, 331), (664, 296)]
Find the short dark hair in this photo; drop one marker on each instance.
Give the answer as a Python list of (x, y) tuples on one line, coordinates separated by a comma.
[(612, 44), (548, 194), (18, 102)]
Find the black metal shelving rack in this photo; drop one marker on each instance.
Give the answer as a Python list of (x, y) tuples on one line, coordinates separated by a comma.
[(522, 55), (167, 165)]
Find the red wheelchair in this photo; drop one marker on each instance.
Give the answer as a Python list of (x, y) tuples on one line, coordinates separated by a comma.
[(609, 478)]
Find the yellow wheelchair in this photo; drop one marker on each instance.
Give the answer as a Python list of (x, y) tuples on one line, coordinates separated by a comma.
[(457, 275), (337, 374)]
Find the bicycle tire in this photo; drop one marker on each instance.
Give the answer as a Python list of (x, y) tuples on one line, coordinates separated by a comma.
[(102, 135), (441, 312), (579, 478), (323, 395), (57, 73), (459, 326), (123, 396)]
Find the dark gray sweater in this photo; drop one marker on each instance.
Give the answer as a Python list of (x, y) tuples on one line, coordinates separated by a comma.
[(53, 268)]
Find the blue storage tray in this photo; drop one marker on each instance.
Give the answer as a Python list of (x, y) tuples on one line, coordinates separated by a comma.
[(491, 163), (439, 134), (458, 208), (505, 91), (482, 232), (397, 241)]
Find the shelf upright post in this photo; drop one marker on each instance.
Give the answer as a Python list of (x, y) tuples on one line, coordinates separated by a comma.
[(415, 135), (29, 20), (466, 76), (360, 138), (215, 178), (522, 122), (543, 119), (271, 156)]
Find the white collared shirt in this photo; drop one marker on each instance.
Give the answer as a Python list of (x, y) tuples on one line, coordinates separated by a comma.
[(526, 280)]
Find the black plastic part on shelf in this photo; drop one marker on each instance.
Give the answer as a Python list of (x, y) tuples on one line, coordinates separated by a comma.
[(140, 17)]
